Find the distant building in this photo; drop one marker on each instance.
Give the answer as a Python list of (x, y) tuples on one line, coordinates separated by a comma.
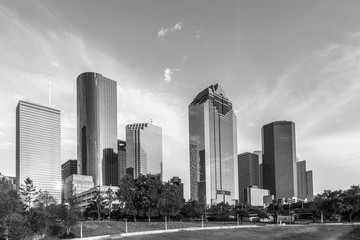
[(67, 169), (11, 181), (213, 148), (38, 147), (261, 182), (255, 196), (177, 181), (122, 159), (248, 172), (309, 186), (301, 179), (279, 159), (76, 184), (143, 149), (86, 198), (97, 128)]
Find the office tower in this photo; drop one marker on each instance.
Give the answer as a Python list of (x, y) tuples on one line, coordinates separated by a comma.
[(279, 159), (301, 179), (143, 149), (67, 169), (76, 184), (97, 128), (177, 181), (309, 186), (261, 183), (248, 172), (38, 147), (213, 148), (122, 159)]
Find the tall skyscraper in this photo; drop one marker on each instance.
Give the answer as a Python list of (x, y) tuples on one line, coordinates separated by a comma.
[(97, 128), (301, 179), (248, 172), (143, 149), (279, 159), (213, 147), (38, 147), (122, 159), (309, 186)]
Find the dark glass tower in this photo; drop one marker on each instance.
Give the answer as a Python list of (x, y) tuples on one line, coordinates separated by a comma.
[(248, 172), (97, 128), (309, 185), (279, 159), (301, 178), (213, 147)]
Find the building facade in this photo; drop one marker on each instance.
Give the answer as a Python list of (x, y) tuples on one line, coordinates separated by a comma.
[(260, 155), (256, 196), (177, 181), (38, 147), (121, 159), (279, 159), (97, 128), (301, 179), (76, 184), (213, 147), (309, 186), (11, 182), (143, 149), (248, 172), (67, 169)]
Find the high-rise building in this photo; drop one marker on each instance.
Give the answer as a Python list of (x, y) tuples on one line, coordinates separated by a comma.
[(97, 128), (213, 147), (248, 172), (261, 182), (301, 179), (67, 169), (143, 149), (309, 186), (279, 159), (38, 147), (177, 181), (122, 159)]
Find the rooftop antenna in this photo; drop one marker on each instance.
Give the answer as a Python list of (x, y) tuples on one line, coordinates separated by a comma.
[(49, 86)]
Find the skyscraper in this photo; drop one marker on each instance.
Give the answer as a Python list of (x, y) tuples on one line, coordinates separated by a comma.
[(143, 149), (67, 169), (97, 128), (122, 159), (248, 172), (279, 159), (309, 186), (260, 156), (38, 147), (213, 147), (301, 179)]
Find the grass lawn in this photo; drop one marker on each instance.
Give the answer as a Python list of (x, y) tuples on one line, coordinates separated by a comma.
[(304, 232)]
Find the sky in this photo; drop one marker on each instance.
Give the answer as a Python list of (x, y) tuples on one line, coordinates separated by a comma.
[(276, 60)]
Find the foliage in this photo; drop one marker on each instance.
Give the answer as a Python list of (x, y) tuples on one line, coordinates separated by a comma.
[(170, 200), (220, 211), (99, 202), (28, 192), (242, 211), (109, 199), (44, 199), (18, 226), (191, 209), (262, 214), (127, 195)]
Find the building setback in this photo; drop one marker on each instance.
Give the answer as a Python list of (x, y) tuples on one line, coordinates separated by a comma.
[(143, 149), (38, 147), (279, 159), (213, 147), (248, 172), (97, 128)]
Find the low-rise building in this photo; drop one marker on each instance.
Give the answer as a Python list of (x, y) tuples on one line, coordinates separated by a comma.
[(76, 184), (85, 198), (255, 196)]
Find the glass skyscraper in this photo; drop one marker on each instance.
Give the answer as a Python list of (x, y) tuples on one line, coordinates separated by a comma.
[(213, 147), (279, 159), (38, 147), (248, 172), (143, 149), (97, 128)]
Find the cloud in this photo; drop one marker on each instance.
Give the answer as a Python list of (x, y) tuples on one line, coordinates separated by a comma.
[(168, 75), (198, 34), (165, 31)]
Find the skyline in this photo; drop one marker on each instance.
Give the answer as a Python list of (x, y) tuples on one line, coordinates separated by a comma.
[(276, 60)]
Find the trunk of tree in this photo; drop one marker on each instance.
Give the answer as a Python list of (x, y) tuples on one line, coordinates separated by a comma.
[(149, 218), (109, 215), (98, 214), (134, 218), (68, 229), (350, 216)]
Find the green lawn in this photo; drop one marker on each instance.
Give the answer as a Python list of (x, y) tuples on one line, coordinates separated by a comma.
[(305, 232)]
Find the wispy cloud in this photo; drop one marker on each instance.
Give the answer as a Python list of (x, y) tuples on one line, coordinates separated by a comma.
[(168, 73), (165, 31)]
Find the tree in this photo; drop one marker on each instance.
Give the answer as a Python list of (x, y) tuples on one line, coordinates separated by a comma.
[(44, 199), (191, 209), (109, 199), (262, 214), (127, 195), (28, 192), (99, 201), (350, 206), (170, 200), (242, 212)]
